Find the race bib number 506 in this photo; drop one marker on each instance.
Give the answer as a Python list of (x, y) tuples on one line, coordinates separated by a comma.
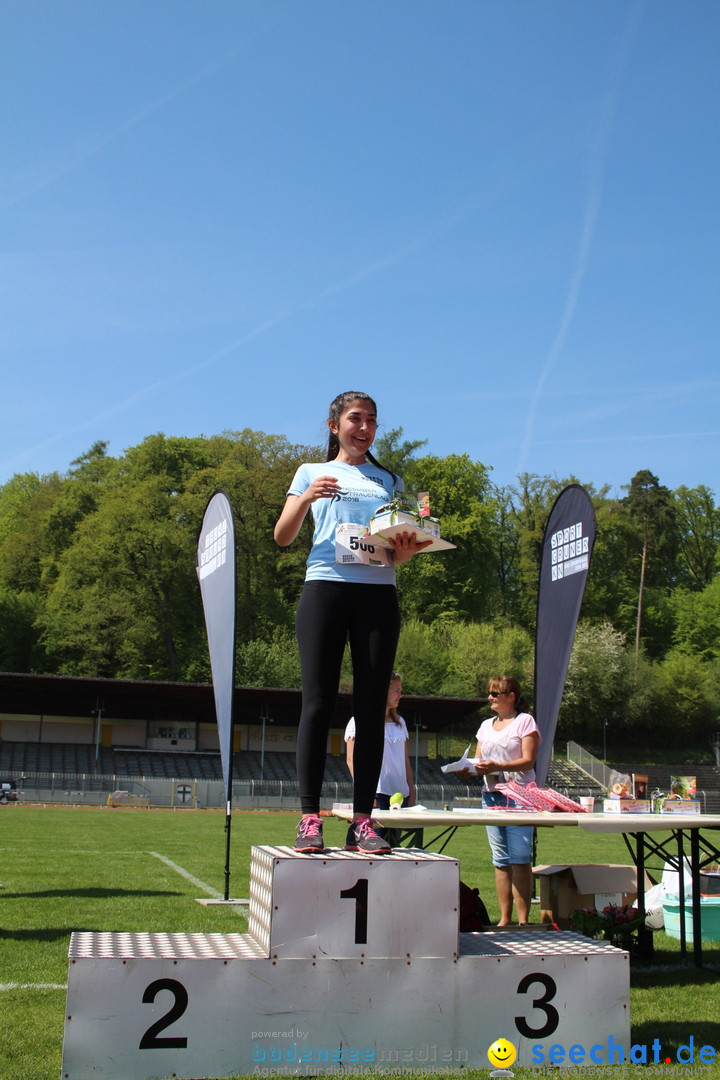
[(351, 547)]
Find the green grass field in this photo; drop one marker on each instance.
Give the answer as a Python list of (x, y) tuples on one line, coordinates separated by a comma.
[(64, 869)]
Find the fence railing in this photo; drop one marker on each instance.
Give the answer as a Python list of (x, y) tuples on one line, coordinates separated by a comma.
[(581, 757), (92, 789)]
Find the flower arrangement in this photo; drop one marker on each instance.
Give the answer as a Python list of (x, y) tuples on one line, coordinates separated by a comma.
[(401, 502), (612, 922)]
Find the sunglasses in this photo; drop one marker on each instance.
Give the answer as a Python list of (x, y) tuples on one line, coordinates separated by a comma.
[(496, 693)]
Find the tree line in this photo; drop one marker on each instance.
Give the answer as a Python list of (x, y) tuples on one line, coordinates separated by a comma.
[(97, 578)]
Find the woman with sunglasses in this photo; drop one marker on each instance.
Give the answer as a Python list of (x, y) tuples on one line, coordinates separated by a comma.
[(506, 750)]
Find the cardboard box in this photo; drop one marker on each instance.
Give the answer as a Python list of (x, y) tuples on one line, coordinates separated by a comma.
[(386, 519), (626, 806), (584, 885), (680, 806), (392, 523)]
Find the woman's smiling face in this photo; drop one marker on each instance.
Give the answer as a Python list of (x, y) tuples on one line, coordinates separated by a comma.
[(356, 430)]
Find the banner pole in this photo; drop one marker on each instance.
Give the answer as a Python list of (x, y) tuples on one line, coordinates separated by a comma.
[(229, 776), (228, 825), (229, 782), (216, 568)]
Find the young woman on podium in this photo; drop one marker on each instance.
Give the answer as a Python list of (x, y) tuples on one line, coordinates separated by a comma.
[(349, 594)]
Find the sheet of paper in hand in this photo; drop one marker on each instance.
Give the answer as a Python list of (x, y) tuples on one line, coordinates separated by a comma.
[(462, 763)]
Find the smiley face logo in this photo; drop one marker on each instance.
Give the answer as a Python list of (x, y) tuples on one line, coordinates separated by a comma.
[(502, 1053)]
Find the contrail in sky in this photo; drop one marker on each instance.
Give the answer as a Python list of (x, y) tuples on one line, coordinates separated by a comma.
[(151, 107), (402, 252), (595, 170), (233, 346), (103, 140)]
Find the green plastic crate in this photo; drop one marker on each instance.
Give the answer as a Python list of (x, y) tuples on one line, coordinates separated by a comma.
[(709, 918)]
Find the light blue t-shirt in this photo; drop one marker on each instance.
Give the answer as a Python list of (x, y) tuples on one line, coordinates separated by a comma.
[(363, 489)]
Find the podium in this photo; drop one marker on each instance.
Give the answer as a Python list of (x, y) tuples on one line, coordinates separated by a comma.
[(345, 905), (351, 963)]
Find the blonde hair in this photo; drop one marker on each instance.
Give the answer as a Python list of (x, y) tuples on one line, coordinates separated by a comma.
[(393, 713)]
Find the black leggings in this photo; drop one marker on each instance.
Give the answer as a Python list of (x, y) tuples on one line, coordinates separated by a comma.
[(328, 614)]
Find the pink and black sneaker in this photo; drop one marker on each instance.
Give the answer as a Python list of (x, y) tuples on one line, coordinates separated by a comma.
[(309, 839), (362, 837)]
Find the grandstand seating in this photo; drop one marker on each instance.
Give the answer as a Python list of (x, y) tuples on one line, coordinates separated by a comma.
[(18, 759), (79, 760)]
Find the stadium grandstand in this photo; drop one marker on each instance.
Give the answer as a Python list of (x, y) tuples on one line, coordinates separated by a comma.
[(67, 739)]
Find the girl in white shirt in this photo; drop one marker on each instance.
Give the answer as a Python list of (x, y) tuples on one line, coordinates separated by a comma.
[(396, 771)]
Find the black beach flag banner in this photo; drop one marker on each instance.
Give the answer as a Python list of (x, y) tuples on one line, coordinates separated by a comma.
[(216, 572), (567, 549)]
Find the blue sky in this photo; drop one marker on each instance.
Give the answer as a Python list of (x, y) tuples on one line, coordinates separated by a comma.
[(499, 217)]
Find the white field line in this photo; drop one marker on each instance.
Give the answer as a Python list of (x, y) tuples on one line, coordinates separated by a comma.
[(168, 862), (187, 875), (163, 858)]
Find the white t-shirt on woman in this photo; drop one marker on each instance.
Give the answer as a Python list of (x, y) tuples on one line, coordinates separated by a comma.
[(506, 745)]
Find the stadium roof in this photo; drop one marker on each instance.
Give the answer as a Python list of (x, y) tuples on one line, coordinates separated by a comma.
[(122, 699)]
